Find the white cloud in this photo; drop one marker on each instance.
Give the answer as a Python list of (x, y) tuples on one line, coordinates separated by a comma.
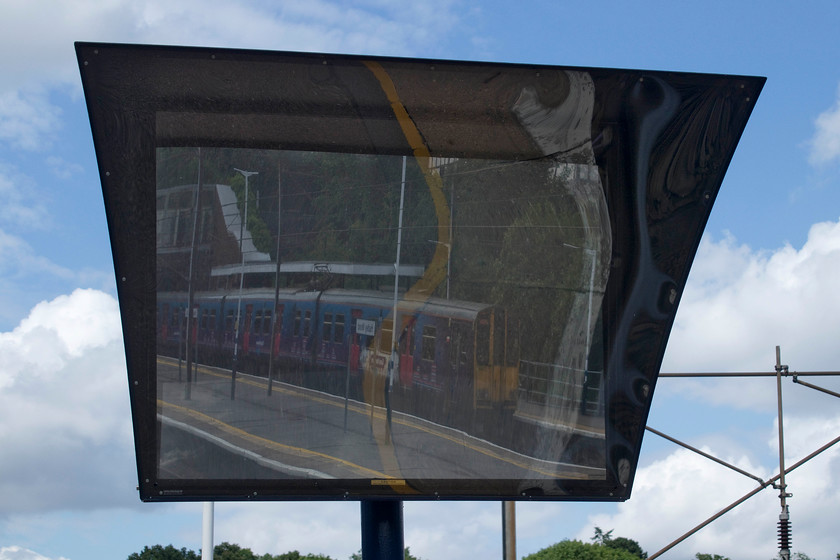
[(318, 528), (47, 29), (26, 277), (18, 553), (64, 422), (825, 145), (18, 260), (63, 169), (27, 118), (37, 56), (740, 304), (432, 529), (673, 495), (21, 205)]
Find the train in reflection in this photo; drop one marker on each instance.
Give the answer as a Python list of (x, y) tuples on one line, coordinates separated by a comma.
[(449, 361)]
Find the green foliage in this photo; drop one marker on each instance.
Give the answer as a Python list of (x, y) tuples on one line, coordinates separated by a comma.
[(618, 543), (600, 537), (294, 555), (406, 555), (629, 545), (704, 556), (576, 550), (260, 234), (223, 551), (228, 551), (168, 552)]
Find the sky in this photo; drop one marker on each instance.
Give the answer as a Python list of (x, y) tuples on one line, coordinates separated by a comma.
[(765, 275)]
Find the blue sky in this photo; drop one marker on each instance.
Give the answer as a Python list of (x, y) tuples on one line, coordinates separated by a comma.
[(765, 276)]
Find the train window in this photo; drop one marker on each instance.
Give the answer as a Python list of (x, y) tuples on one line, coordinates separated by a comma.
[(267, 321), (328, 323), (297, 324), (457, 348), (258, 319), (307, 318), (429, 336), (386, 333), (212, 320), (204, 314), (339, 327), (229, 320)]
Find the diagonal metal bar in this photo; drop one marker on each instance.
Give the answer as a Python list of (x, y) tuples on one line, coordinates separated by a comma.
[(704, 454), (821, 389), (742, 499)]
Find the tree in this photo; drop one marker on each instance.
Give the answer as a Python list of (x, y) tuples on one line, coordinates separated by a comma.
[(228, 551), (629, 545), (295, 555), (576, 550), (619, 543), (703, 556), (406, 555), (223, 551), (600, 537), (168, 552)]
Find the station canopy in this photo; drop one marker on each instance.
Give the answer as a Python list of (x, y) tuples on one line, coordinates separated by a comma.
[(350, 277)]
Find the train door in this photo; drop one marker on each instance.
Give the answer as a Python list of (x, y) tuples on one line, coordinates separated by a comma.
[(483, 385), (278, 329), (230, 327), (246, 328), (260, 329), (376, 369), (265, 336), (356, 340), (498, 361), (406, 346), (338, 352), (428, 355), (510, 366), (326, 336)]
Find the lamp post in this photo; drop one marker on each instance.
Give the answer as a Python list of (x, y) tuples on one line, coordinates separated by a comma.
[(245, 174)]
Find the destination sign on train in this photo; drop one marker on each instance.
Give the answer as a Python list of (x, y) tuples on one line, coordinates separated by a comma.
[(351, 277)]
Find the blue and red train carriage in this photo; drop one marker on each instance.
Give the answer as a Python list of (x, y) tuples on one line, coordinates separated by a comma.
[(449, 359)]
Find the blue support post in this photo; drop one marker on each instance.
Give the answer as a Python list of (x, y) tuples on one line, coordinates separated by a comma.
[(382, 530)]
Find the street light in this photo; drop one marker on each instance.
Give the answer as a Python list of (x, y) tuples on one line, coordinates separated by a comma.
[(242, 223)]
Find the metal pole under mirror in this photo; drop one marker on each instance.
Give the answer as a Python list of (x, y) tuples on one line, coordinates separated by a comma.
[(509, 530), (382, 530)]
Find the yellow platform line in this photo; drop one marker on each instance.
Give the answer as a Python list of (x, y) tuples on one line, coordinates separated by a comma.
[(289, 449)]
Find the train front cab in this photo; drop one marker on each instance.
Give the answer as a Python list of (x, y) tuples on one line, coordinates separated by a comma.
[(496, 360)]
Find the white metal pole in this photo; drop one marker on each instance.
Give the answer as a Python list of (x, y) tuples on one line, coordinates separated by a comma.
[(242, 229), (397, 263), (207, 532)]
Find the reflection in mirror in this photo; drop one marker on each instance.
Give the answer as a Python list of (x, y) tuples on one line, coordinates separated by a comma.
[(298, 265)]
